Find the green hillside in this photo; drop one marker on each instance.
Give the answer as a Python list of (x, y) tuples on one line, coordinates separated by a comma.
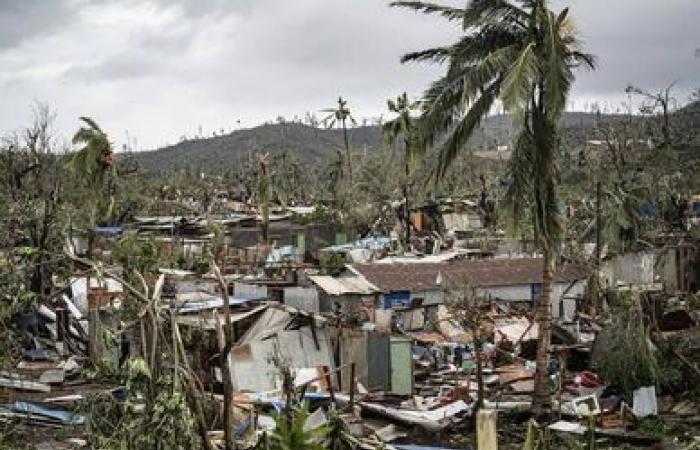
[(315, 146)]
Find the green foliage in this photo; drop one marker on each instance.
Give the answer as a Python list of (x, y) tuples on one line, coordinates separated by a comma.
[(11, 439), (338, 435), (289, 432), (523, 54), (91, 162), (15, 297), (332, 262), (627, 358), (537, 437), (155, 415), (142, 255), (674, 375)]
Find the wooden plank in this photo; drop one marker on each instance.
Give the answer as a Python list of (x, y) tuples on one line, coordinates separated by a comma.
[(486, 430)]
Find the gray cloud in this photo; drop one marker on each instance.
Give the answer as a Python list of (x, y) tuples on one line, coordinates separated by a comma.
[(24, 19), (161, 68)]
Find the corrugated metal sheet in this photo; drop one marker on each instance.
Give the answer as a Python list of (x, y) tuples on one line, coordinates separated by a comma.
[(207, 321), (422, 277), (250, 291), (343, 285), (630, 268), (251, 369), (304, 299), (378, 356), (254, 370), (353, 348)]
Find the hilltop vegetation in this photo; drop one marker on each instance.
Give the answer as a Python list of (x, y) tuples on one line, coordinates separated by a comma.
[(317, 146)]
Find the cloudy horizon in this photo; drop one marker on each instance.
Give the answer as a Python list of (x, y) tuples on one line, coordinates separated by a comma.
[(155, 70)]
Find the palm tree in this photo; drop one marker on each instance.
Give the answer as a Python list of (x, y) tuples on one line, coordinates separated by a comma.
[(95, 157), (523, 54), (340, 116), (91, 164), (404, 126)]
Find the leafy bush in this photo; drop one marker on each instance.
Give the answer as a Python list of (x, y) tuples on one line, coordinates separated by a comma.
[(153, 416), (628, 358), (291, 434), (626, 355)]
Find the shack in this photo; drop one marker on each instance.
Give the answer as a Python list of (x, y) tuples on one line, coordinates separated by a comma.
[(404, 285)]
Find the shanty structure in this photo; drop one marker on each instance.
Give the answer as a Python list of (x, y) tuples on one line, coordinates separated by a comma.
[(403, 285)]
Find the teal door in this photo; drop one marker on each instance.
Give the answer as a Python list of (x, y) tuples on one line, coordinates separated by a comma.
[(401, 366)]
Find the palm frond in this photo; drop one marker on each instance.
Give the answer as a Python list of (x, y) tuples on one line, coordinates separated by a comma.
[(91, 123), (519, 190), (558, 75), (480, 12), (587, 60), (457, 139), (446, 99), (517, 85), (472, 48), (437, 55), (448, 12)]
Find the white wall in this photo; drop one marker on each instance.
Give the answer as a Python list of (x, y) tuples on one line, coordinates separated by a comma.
[(519, 293), (629, 268)]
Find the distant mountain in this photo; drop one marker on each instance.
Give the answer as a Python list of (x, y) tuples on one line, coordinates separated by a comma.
[(315, 146), (227, 152)]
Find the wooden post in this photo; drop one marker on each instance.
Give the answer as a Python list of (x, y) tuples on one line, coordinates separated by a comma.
[(352, 387), (61, 330), (486, 430), (562, 378), (94, 348), (175, 350), (327, 376)]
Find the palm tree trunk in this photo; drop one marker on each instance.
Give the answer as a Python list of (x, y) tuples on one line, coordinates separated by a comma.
[(542, 401), (347, 147), (407, 210)]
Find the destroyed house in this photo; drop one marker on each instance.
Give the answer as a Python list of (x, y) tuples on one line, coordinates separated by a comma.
[(406, 285)]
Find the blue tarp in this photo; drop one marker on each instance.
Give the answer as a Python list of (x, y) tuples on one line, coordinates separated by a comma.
[(369, 243), (650, 211), (280, 254), (55, 414)]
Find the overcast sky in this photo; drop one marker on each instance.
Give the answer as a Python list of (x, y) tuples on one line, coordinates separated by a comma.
[(158, 69)]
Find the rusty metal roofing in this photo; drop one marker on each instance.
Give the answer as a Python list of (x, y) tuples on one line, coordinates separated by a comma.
[(483, 273)]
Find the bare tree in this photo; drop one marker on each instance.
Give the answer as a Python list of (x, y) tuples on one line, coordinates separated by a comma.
[(467, 307)]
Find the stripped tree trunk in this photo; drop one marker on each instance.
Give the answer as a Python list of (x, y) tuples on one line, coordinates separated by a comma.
[(407, 209), (542, 401), (346, 141), (225, 361)]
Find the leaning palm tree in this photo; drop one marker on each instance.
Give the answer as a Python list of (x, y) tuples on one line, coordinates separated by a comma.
[(523, 54), (340, 116), (92, 161), (404, 126), (91, 164)]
